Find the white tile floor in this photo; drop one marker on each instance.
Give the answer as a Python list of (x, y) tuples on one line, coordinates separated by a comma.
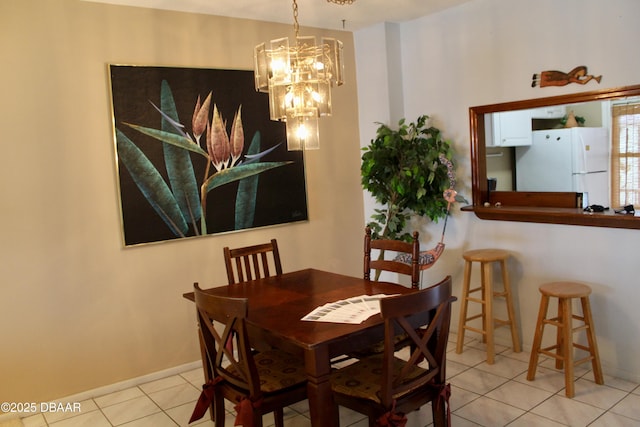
[(482, 395)]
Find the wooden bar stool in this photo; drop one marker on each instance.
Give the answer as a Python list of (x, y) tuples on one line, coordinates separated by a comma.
[(566, 292), (486, 258)]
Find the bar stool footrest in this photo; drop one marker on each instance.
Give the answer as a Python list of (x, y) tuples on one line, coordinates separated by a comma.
[(583, 347), (546, 351), (472, 329), (583, 360), (502, 322), (553, 321)]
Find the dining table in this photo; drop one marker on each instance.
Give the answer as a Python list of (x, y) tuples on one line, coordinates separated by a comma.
[(277, 305)]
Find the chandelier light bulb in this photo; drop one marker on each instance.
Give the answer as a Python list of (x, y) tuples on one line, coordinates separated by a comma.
[(302, 132)]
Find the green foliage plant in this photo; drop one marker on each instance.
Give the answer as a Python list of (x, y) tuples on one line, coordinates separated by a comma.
[(406, 170)]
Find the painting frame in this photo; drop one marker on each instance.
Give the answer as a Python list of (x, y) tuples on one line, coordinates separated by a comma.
[(197, 155)]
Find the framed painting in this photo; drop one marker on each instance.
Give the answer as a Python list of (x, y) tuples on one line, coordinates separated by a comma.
[(196, 154)]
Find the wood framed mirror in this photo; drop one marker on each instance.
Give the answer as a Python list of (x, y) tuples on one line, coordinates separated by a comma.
[(555, 207)]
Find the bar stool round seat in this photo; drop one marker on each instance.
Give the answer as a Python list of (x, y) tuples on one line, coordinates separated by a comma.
[(486, 255), (486, 258), (562, 350)]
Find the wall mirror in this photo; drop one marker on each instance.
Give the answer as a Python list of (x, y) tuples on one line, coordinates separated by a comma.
[(510, 179)]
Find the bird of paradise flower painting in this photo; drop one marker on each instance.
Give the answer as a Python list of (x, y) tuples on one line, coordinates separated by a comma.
[(198, 155)]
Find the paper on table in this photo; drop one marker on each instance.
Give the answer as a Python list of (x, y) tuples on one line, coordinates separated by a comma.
[(351, 310)]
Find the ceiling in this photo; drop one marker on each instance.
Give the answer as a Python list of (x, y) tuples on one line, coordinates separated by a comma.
[(311, 13)]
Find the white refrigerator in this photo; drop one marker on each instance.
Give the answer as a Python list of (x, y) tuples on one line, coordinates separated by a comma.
[(572, 159)]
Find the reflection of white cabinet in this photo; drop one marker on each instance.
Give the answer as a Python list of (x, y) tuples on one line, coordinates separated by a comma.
[(550, 112), (511, 128)]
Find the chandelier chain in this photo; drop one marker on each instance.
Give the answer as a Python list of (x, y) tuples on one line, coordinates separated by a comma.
[(296, 26)]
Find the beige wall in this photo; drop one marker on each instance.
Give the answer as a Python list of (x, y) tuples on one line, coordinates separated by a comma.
[(77, 310)]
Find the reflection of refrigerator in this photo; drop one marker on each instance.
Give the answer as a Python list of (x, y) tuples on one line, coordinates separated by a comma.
[(573, 159)]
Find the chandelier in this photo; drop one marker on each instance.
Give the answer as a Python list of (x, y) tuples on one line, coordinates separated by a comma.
[(298, 79)]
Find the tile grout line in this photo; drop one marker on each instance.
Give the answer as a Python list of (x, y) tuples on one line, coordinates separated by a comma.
[(557, 393)]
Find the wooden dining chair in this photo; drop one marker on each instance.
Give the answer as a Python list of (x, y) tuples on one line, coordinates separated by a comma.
[(394, 256), (407, 258), (252, 262), (240, 376), (392, 248), (385, 387)]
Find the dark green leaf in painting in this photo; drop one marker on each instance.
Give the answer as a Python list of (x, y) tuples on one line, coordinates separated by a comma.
[(170, 138), (178, 162), (243, 171), (151, 184), (247, 190)]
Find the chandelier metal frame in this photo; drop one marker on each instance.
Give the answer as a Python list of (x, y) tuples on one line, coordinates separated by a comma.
[(298, 79)]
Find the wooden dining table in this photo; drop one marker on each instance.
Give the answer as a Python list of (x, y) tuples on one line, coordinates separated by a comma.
[(276, 307)]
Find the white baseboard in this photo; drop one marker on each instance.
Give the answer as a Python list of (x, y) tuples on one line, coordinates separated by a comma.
[(112, 388)]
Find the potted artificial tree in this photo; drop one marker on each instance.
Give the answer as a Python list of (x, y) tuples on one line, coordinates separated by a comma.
[(407, 170)]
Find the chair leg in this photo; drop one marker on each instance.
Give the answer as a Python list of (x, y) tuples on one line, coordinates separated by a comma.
[(208, 374), (439, 412), (567, 332), (591, 338), (278, 415), (219, 411), (537, 338), (463, 306), (257, 419)]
